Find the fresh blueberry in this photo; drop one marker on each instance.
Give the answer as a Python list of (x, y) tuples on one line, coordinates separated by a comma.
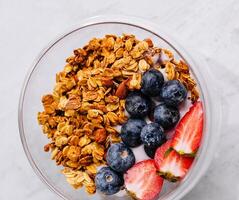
[(130, 132), (137, 104), (150, 151), (167, 116), (108, 181), (120, 157), (152, 135), (173, 92), (152, 82)]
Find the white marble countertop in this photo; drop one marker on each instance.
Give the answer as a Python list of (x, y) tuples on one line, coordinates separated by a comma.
[(210, 26)]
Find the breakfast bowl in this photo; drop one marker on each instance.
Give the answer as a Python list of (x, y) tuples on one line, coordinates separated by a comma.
[(41, 78)]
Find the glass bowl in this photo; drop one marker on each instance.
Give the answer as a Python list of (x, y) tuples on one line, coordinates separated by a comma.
[(41, 79)]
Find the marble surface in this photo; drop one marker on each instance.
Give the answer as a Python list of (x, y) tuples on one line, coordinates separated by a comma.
[(211, 27)]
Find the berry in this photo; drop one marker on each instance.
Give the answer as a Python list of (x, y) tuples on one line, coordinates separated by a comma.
[(188, 133), (142, 181), (150, 151), (174, 167), (152, 82), (130, 132), (152, 135), (137, 104), (167, 116), (120, 158), (108, 181), (161, 153), (173, 92)]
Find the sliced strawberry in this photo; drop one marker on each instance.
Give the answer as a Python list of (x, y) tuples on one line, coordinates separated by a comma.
[(174, 167), (142, 181), (188, 134), (160, 153)]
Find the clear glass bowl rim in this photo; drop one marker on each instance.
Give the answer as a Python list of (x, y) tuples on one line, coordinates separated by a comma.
[(212, 110)]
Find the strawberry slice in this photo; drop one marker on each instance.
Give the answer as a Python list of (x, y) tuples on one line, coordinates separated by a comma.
[(161, 152), (142, 181), (174, 167), (188, 134)]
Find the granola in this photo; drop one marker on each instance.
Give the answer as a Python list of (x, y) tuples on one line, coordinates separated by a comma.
[(88, 100)]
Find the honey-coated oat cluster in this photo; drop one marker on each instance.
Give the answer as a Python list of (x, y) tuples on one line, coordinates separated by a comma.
[(88, 100)]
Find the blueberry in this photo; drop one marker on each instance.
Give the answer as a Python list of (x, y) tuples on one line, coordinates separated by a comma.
[(173, 92), (137, 104), (167, 116), (150, 151), (130, 132), (152, 135), (152, 82), (108, 181), (120, 157)]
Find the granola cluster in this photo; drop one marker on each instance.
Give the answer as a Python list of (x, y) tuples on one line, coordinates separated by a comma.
[(88, 101)]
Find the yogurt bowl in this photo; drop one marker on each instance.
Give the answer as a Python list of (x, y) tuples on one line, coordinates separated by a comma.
[(41, 78)]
